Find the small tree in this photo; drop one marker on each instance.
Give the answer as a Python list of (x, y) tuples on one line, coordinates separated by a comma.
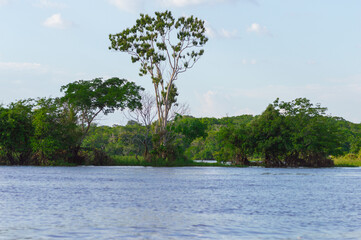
[(236, 144), (89, 98), (271, 136), (165, 47)]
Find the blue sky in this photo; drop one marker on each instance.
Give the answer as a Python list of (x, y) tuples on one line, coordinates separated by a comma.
[(258, 50)]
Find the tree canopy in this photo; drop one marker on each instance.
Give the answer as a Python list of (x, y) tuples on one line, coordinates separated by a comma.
[(89, 98)]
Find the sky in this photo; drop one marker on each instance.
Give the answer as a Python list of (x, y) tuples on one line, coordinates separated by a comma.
[(258, 50)]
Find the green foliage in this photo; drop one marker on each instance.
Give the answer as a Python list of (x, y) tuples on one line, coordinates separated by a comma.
[(130, 161), (54, 132), (236, 144), (286, 134), (204, 148), (89, 98), (135, 139), (149, 42), (348, 160), (129, 140), (296, 133), (49, 131), (16, 131), (170, 150), (271, 135), (190, 127)]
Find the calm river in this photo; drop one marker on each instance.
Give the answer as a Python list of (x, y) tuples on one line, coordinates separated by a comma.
[(179, 203)]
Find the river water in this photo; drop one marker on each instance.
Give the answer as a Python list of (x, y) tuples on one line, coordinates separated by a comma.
[(179, 203)]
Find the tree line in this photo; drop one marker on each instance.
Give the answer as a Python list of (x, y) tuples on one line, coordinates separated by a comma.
[(58, 131), (286, 134), (49, 131)]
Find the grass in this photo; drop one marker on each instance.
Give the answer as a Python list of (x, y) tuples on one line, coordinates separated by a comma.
[(349, 160)]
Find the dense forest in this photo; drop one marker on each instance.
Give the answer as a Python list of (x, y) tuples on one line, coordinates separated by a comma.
[(61, 131), (286, 134)]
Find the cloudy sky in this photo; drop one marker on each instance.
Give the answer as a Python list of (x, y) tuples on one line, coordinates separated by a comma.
[(258, 50)]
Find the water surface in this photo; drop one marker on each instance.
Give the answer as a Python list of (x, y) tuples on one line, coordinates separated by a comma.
[(179, 203)]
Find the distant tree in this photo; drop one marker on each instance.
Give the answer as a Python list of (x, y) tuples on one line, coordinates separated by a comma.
[(89, 98), (270, 132), (165, 47), (190, 127), (207, 147), (51, 133), (16, 130), (296, 133), (314, 136), (236, 144)]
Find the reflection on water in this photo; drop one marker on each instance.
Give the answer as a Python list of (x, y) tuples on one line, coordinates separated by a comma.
[(179, 203)]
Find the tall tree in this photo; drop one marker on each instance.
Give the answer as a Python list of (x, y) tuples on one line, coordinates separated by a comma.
[(165, 47)]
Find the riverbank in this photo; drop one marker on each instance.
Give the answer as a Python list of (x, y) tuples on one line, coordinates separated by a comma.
[(349, 160)]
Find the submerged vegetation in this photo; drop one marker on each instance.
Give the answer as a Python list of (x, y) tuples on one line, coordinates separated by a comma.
[(61, 131)]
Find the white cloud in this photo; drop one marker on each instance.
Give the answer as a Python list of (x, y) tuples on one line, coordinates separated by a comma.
[(49, 4), (228, 34), (257, 28), (127, 5), (56, 21), (223, 33), (208, 103), (221, 103), (210, 32), (20, 66)]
